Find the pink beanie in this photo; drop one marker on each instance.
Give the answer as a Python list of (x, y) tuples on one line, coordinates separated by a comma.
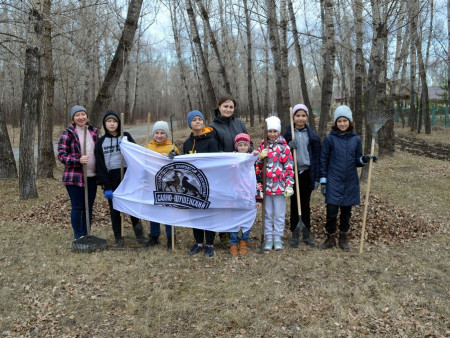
[(242, 137)]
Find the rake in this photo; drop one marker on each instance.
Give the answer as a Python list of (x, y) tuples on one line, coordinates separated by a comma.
[(374, 122)]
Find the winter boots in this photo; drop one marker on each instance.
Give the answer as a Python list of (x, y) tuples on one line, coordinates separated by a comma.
[(233, 249), (329, 242), (295, 239), (243, 247), (342, 241), (139, 232), (153, 240), (307, 239)]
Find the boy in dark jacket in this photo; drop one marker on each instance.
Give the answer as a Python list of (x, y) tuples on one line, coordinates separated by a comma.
[(201, 140), (339, 158), (307, 146), (108, 162)]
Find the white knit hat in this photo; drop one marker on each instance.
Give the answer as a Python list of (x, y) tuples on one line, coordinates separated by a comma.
[(161, 125), (343, 111), (273, 122)]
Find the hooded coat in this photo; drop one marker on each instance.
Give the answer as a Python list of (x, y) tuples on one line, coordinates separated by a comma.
[(107, 155), (227, 128), (279, 166), (313, 150), (204, 143), (340, 156)]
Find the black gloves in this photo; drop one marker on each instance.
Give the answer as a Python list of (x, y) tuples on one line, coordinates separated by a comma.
[(172, 154), (366, 158), (293, 145)]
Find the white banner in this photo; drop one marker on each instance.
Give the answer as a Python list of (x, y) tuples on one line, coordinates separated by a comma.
[(210, 191)]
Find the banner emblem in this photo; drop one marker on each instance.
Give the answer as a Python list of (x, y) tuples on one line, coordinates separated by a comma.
[(181, 185)]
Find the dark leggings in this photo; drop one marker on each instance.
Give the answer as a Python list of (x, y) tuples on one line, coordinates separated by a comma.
[(116, 221), (344, 220), (200, 235)]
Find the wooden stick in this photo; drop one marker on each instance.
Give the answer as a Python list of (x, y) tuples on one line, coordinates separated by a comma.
[(366, 202), (86, 196), (149, 117), (122, 227), (297, 188)]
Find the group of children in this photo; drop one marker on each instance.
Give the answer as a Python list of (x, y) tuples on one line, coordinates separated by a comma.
[(332, 165)]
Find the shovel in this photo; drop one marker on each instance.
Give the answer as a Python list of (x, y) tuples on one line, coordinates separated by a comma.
[(295, 240), (87, 243)]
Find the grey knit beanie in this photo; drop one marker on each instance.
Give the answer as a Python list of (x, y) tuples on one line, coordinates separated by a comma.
[(161, 125), (76, 109), (343, 111)]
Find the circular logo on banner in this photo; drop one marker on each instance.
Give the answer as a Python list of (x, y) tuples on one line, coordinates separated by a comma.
[(181, 185)]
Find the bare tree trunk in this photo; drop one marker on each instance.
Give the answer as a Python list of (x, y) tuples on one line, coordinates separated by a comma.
[(359, 68), (127, 87), (284, 114), (412, 117), (212, 39), (272, 30), (425, 109), (176, 37), (8, 167), (210, 95), (251, 107), (32, 90), (327, 65), (120, 58), (46, 155), (301, 69), (265, 111)]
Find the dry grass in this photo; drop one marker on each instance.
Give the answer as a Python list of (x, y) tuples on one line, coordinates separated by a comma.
[(438, 134), (397, 290)]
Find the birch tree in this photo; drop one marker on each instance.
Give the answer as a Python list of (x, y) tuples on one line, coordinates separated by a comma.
[(195, 37), (46, 155), (328, 58), (301, 68), (32, 91)]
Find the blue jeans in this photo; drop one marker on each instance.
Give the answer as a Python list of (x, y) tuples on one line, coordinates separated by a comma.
[(155, 230), (234, 239), (77, 214)]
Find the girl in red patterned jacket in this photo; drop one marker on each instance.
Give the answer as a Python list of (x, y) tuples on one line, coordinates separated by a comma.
[(279, 182), (70, 145)]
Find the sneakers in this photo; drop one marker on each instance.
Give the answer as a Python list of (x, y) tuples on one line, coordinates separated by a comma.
[(233, 249), (209, 251), (278, 245), (195, 249), (243, 247), (269, 244)]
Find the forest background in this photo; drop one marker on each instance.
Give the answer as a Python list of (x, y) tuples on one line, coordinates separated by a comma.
[(164, 57), (385, 59)]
